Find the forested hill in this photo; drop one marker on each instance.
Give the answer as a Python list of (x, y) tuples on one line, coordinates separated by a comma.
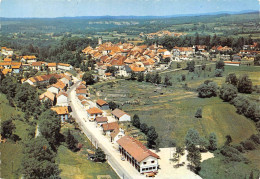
[(136, 24)]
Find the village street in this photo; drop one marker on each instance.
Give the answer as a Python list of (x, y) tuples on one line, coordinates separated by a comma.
[(123, 168)]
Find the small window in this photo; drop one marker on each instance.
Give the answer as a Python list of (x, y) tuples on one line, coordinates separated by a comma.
[(152, 161), (153, 167), (144, 163)]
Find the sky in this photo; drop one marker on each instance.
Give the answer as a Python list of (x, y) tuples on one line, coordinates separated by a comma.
[(72, 8)]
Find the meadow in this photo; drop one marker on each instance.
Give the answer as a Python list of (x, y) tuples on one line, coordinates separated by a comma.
[(76, 165), (171, 111)]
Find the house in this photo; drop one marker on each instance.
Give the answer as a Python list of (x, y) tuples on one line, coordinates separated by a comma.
[(57, 87), (52, 66), (102, 104), (120, 115), (29, 59), (67, 80), (41, 79), (62, 111), (81, 91), (84, 103), (6, 51), (101, 120), (37, 65), (138, 155), (64, 66), (16, 67), (230, 63), (62, 99), (110, 127), (93, 113), (117, 134), (82, 98), (47, 95)]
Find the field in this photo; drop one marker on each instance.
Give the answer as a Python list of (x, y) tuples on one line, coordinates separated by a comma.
[(171, 111), (11, 153), (216, 168), (76, 164), (11, 157)]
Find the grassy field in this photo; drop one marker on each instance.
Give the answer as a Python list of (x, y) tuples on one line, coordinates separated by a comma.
[(11, 153), (11, 156), (171, 111), (75, 165), (215, 168)]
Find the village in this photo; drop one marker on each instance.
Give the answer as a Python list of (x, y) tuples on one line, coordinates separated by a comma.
[(70, 98)]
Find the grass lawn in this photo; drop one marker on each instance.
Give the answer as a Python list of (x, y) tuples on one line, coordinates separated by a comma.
[(6, 112), (216, 168), (171, 111), (10, 153), (254, 157), (76, 164)]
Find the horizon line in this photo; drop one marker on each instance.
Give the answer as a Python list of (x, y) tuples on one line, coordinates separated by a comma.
[(178, 15)]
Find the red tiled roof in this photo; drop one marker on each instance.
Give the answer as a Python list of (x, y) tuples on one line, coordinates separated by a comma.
[(110, 126), (101, 119), (101, 102), (118, 113), (135, 148), (94, 110)]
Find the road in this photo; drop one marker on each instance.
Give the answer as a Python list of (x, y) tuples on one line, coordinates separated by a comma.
[(94, 134)]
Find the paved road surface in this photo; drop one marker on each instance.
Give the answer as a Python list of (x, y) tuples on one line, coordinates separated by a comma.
[(122, 168)]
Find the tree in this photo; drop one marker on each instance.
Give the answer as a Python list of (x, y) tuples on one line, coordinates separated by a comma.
[(52, 80), (151, 137), (144, 128), (207, 90), (71, 141), (112, 105), (179, 152), (192, 138), (140, 77), (228, 92), (213, 142), (194, 158), (178, 65), (133, 76), (148, 77), (218, 72), (100, 156), (191, 66), (157, 78), (167, 81), (198, 113), (220, 65), (257, 60), (88, 78), (228, 140), (39, 160), (245, 84), (136, 121), (49, 127), (232, 79), (7, 128)]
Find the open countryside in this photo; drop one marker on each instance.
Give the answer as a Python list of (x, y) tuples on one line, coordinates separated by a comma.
[(87, 91)]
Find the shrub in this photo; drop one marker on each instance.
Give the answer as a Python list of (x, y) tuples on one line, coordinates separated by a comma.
[(207, 90), (239, 147), (228, 92), (198, 113), (231, 154), (245, 84), (218, 73), (255, 138), (248, 145)]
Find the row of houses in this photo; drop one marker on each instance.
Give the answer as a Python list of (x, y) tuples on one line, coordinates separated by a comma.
[(30, 62)]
